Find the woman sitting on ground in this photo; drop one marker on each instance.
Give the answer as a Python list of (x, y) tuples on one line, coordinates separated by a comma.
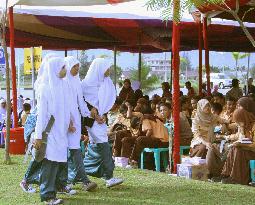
[(203, 129), (236, 168)]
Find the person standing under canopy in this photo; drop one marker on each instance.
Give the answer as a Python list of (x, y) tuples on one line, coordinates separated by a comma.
[(99, 92), (52, 101)]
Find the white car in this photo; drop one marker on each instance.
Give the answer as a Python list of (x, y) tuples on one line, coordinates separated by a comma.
[(219, 79)]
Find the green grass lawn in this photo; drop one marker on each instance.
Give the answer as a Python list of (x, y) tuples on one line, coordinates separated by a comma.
[(140, 187)]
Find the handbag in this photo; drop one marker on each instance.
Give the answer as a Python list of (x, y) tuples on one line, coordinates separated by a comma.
[(39, 154)]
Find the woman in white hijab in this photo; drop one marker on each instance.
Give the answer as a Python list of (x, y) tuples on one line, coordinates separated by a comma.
[(99, 92), (203, 129), (76, 169), (33, 170), (52, 101)]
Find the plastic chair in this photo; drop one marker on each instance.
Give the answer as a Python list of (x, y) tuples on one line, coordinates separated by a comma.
[(156, 152), (252, 167), (182, 148)]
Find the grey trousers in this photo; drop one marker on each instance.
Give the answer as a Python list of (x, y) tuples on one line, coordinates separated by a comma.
[(53, 177), (76, 169)]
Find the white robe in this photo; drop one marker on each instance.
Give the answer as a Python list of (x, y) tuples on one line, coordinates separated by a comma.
[(100, 92), (53, 100), (57, 143), (78, 105)]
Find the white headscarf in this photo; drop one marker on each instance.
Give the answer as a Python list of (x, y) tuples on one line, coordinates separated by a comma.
[(75, 87), (70, 61), (204, 122), (203, 118), (99, 90), (40, 75)]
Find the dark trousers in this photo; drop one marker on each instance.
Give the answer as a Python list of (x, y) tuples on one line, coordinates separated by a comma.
[(32, 175), (98, 160), (53, 177), (144, 142), (76, 169), (123, 144)]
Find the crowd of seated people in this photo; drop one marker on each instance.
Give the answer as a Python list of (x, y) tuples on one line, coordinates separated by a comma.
[(213, 126)]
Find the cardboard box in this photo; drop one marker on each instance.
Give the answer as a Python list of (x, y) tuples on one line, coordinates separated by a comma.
[(193, 160), (189, 171)]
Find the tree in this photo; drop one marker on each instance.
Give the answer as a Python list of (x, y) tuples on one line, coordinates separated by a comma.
[(7, 158), (118, 73), (185, 64), (238, 56), (148, 81), (85, 63)]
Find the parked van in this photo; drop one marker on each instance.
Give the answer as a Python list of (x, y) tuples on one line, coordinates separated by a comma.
[(219, 79)]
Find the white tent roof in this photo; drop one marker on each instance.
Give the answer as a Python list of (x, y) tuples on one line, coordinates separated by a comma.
[(58, 2)]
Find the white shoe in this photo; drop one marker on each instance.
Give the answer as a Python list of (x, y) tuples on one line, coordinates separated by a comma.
[(113, 182), (67, 190), (54, 201), (27, 187)]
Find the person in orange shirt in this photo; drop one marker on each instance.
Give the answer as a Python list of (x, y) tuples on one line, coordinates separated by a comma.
[(156, 135)]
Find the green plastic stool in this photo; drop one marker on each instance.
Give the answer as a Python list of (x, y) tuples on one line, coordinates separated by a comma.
[(252, 167), (156, 152), (182, 148)]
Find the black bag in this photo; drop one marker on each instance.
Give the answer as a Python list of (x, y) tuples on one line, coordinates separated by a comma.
[(39, 154)]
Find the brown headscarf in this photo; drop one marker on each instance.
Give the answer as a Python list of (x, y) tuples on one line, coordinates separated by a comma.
[(241, 115), (247, 104), (126, 93)]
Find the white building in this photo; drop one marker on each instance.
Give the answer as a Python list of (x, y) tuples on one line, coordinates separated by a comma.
[(160, 68)]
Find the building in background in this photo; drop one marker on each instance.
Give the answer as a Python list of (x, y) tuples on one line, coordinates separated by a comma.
[(160, 67)]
